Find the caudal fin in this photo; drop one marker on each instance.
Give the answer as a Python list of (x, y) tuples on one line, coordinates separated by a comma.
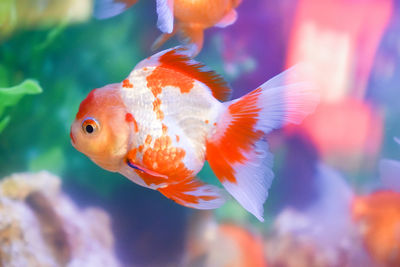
[(238, 152)]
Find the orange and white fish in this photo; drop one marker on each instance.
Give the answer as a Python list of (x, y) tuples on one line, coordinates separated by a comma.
[(379, 217), (159, 125), (192, 17)]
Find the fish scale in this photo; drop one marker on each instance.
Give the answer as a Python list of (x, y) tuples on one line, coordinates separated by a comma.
[(185, 116)]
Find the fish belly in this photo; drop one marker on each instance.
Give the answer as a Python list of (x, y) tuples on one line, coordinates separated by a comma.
[(173, 125)]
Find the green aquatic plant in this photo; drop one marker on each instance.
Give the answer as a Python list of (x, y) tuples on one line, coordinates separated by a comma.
[(68, 61), (11, 96)]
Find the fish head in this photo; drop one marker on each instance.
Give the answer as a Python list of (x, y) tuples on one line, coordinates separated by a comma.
[(100, 130)]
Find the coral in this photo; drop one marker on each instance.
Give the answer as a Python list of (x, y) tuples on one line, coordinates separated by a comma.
[(213, 244), (41, 226), (312, 242)]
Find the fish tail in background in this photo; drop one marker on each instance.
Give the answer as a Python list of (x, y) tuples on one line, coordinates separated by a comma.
[(104, 9), (238, 153), (193, 193), (165, 12), (162, 39), (193, 37)]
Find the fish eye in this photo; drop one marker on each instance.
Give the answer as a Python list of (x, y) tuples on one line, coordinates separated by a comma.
[(90, 125)]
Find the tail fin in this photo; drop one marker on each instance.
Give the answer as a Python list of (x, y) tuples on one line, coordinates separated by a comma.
[(238, 153)]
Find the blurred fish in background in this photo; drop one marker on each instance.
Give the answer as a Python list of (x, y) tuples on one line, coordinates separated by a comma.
[(343, 51), (192, 18), (378, 216)]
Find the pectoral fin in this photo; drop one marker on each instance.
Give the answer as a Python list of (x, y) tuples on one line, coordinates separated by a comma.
[(144, 170)]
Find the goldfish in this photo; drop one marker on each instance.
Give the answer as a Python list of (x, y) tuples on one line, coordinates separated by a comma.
[(187, 17), (379, 216), (159, 125)]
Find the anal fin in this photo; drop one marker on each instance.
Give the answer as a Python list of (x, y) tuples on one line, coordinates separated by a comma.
[(195, 194)]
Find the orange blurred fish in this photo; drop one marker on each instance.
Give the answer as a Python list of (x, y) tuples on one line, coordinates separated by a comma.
[(192, 17), (159, 125), (379, 215)]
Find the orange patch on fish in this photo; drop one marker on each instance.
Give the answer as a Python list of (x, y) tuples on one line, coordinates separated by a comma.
[(130, 119), (85, 105), (72, 137), (238, 143), (165, 76), (140, 148), (165, 159), (132, 154), (164, 129), (127, 84), (157, 109), (180, 66), (148, 139), (179, 190), (162, 77)]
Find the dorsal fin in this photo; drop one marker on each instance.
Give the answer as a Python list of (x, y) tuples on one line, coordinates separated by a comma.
[(177, 58)]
